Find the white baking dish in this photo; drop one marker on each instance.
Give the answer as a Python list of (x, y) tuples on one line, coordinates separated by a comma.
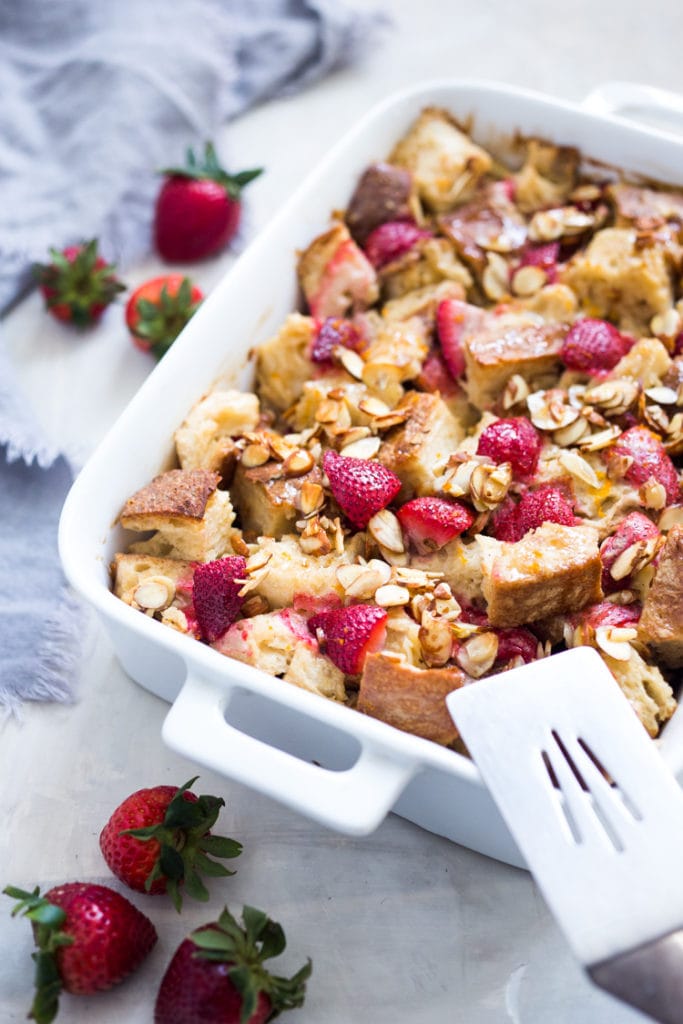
[(229, 716)]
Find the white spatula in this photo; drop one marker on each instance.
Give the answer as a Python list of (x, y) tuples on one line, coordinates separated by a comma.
[(596, 813)]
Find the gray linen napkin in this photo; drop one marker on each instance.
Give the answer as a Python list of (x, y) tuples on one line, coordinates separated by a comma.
[(95, 97)]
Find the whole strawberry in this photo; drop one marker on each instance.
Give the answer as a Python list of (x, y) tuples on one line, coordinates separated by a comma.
[(360, 487), (198, 208), (159, 309), (78, 284), (159, 839), (89, 938), (217, 975)]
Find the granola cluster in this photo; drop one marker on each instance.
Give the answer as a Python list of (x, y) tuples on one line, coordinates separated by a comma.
[(460, 456)]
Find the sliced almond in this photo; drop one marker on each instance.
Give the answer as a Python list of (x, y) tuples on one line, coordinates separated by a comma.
[(495, 279), (671, 516), (328, 411), (311, 497), (613, 396), (652, 494), (634, 558), (279, 447), (255, 455), (350, 360), (579, 469), (565, 437), (391, 596), (602, 439), (373, 407), (528, 280), (154, 593), (516, 390), (548, 410), (436, 640), (489, 485), (385, 528), (298, 463), (364, 448), (478, 654), (615, 641), (257, 561), (176, 619), (667, 324), (662, 395)]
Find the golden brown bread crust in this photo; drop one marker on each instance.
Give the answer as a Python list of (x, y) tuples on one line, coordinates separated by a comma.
[(177, 494), (661, 624), (408, 698), (553, 570), (268, 501), (416, 450), (500, 349)]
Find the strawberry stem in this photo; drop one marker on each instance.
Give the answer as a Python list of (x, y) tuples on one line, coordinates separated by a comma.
[(47, 920), (210, 170)]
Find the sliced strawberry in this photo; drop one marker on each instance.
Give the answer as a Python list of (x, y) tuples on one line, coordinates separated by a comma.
[(516, 642), (608, 614), (648, 458), (360, 487), (429, 523), (514, 440), (350, 634), (333, 332), (594, 346), (454, 321), (435, 376), (546, 505), (504, 524), (216, 594), (391, 240), (635, 528), (543, 256)]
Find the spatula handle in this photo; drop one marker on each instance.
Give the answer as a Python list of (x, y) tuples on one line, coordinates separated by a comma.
[(649, 977)]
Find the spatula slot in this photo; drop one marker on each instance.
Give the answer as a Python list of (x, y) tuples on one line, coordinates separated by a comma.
[(619, 793)]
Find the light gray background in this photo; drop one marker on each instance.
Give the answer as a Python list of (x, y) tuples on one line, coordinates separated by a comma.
[(403, 927)]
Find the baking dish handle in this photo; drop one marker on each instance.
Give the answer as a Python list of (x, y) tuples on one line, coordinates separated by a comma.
[(636, 102), (354, 801)]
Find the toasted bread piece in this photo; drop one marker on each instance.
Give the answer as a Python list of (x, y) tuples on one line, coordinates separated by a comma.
[(430, 262), (423, 303), (283, 364), (205, 438), (515, 343), (291, 572), (129, 571), (192, 519), (445, 163), (552, 570), (267, 641), (409, 698), (461, 564), (547, 177), (646, 689), (616, 279), (489, 222), (400, 345), (644, 207), (269, 503), (383, 193), (310, 670), (661, 624), (647, 363), (335, 275), (418, 450)]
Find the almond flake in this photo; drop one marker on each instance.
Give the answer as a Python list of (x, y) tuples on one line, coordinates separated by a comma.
[(615, 396), (495, 278), (298, 463), (255, 455), (279, 447), (516, 390), (436, 640), (478, 654), (528, 280), (634, 558), (350, 360), (364, 448), (604, 438), (667, 324), (489, 485), (258, 561), (652, 494), (548, 410), (328, 411), (311, 497), (615, 641), (662, 395), (391, 596), (671, 516), (568, 436), (373, 407), (154, 593), (579, 468), (385, 528)]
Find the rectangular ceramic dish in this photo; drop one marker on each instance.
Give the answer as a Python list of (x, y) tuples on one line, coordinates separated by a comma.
[(325, 760)]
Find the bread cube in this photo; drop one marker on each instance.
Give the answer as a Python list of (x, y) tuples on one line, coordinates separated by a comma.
[(429, 262), (661, 624), (489, 222), (410, 699), (645, 688), (547, 177), (310, 670), (335, 275), (418, 450), (644, 207), (191, 518), (152, 585), (383, 193), (552, 570), (461, 564), (402, 345), (445, 163), (647, 363), (423, 303), (617, 279), (205, 438), (268, 502), (291, 572), (512, 343), (283, 363), (267, 641)]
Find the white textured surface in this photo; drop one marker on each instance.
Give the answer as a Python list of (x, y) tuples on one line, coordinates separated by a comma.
[(402, 927)]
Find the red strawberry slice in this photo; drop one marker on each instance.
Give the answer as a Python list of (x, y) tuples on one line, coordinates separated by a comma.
[(516, 642), (350, 634), (608, 614), (360, 487), (391, 240), (216, 594), (594, 346), (435, 376), (635, 528), (334, 331), (454, 321), (430, 523), (545, 257), (546, 505), (514, 440), (649, 460)]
